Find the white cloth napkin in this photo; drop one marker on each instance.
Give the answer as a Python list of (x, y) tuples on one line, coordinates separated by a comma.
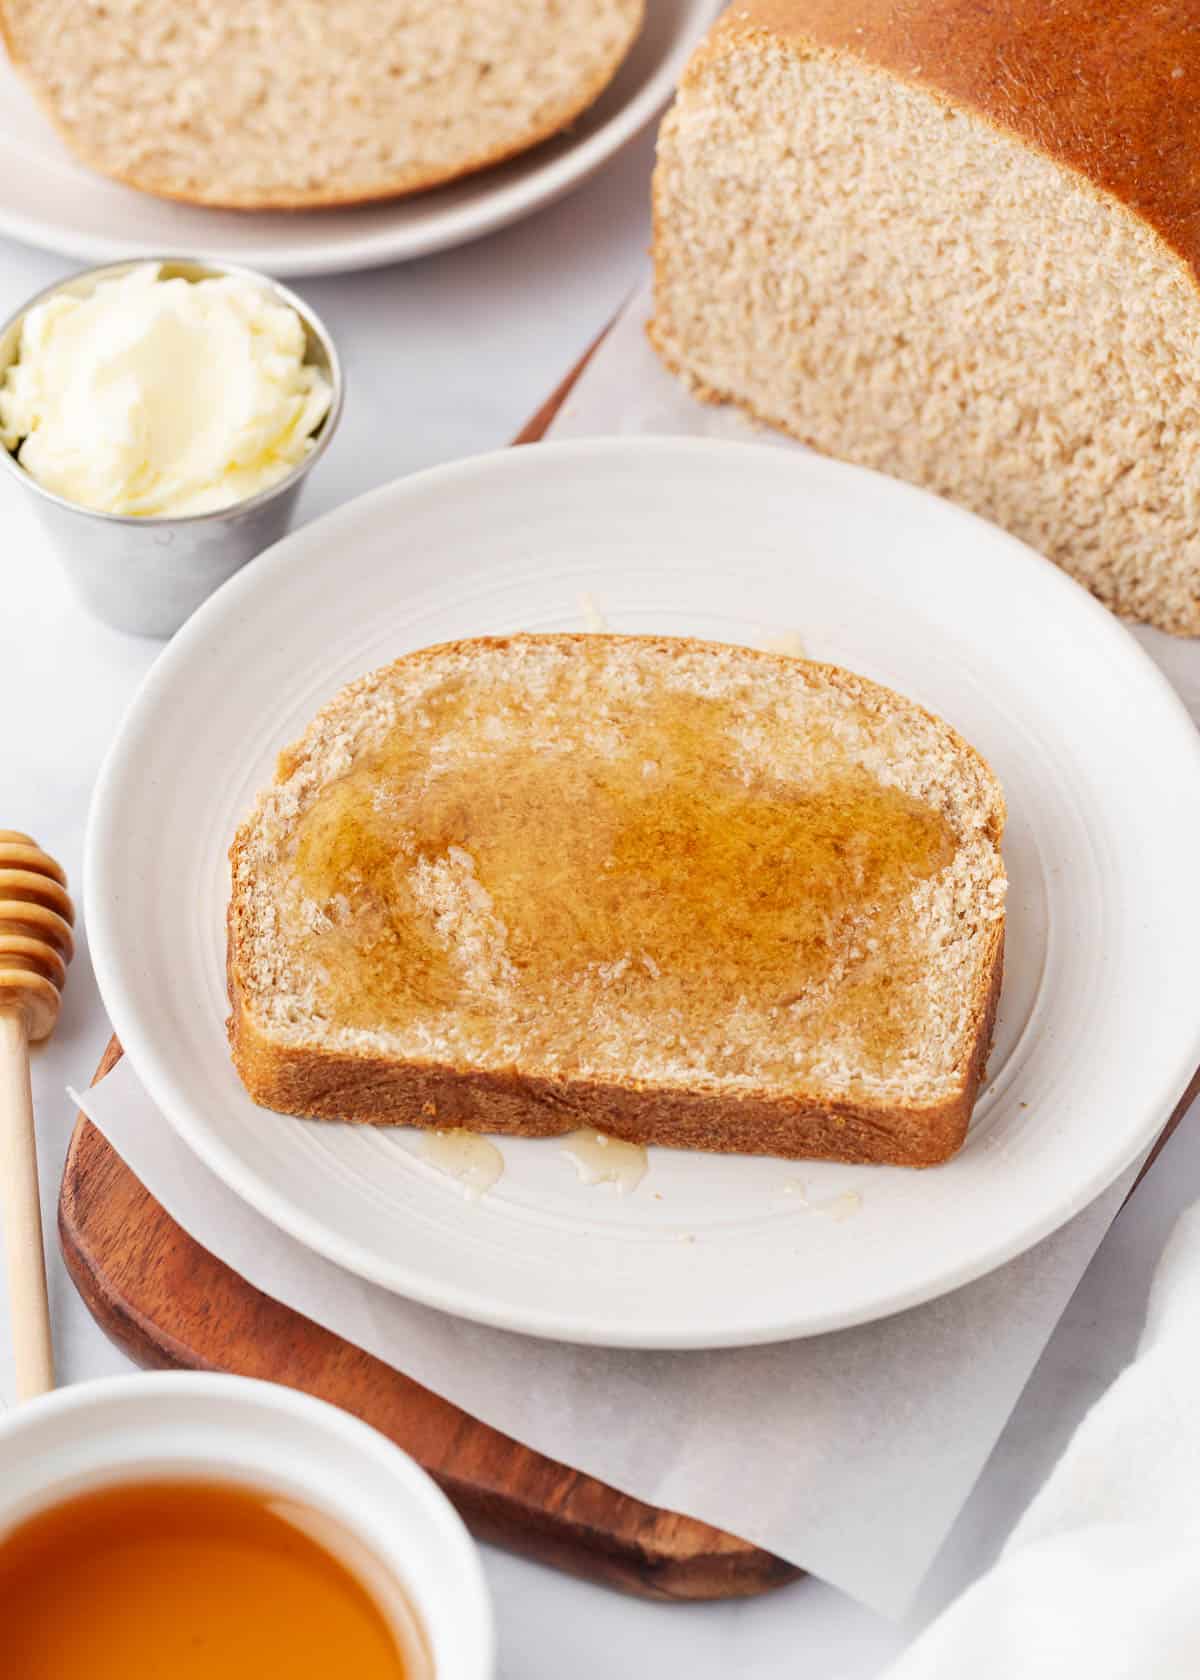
[(850, 1454), (1101, 1577)]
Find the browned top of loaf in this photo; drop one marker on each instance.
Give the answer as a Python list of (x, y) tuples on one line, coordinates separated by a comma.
[(1107, 87)]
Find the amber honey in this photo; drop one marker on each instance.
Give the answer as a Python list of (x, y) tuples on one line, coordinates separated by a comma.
[(663, 859), (195, 1581)]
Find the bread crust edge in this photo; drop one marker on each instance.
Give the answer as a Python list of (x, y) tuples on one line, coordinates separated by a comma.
[(321, 1084)]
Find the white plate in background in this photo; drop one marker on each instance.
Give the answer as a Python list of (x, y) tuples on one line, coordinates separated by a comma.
[(49, 199), (1099, 1029)]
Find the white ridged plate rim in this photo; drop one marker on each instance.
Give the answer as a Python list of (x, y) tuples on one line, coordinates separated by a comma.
[(1099, 1031)]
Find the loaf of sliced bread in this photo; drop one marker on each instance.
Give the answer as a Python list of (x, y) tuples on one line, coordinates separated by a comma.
[(686, 893), (282, 104), (960, 244)]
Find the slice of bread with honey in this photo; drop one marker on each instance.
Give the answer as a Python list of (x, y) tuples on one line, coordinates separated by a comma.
[(687, 893), (286, 104)]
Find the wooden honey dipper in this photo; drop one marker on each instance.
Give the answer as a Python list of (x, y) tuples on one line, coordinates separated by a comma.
[(35, 947)]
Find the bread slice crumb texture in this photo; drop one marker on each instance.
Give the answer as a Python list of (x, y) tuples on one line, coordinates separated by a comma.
[(262, 104), (875, 266), (661, 864)]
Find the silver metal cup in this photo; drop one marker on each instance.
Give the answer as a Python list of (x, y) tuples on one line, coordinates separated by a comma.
[(147, 575)]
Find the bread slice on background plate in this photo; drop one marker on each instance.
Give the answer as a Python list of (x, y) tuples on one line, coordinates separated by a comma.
[(292, 104), (960, 244), (687, 893)]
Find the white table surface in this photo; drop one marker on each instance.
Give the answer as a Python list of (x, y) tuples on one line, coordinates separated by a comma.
[(444, 358)]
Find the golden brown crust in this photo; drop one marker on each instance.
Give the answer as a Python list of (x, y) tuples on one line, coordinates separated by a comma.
[(335, 1085), (364, 1087), (1107, 90), (408, 185)]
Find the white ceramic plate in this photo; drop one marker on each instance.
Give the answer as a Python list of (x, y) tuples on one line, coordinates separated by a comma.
[(1099, 1029), (48, 199)]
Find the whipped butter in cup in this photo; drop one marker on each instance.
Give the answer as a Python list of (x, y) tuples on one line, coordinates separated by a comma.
[(163, 415)]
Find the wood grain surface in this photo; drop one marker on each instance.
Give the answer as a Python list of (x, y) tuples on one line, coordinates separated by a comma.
[(167, 1302)]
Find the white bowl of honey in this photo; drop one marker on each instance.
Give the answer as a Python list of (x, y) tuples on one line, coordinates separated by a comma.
[(213, 1528)]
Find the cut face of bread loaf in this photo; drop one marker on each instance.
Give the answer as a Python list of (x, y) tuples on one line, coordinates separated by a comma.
[(686, 893), (957, 243), (291, 103)]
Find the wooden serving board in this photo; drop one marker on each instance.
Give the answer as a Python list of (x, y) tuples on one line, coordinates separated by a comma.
[(167, 1302)]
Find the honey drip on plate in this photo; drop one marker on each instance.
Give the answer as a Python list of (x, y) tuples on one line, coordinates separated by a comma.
[(663, 864), (600, 1159), (838, 1208), (465, 1156)]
